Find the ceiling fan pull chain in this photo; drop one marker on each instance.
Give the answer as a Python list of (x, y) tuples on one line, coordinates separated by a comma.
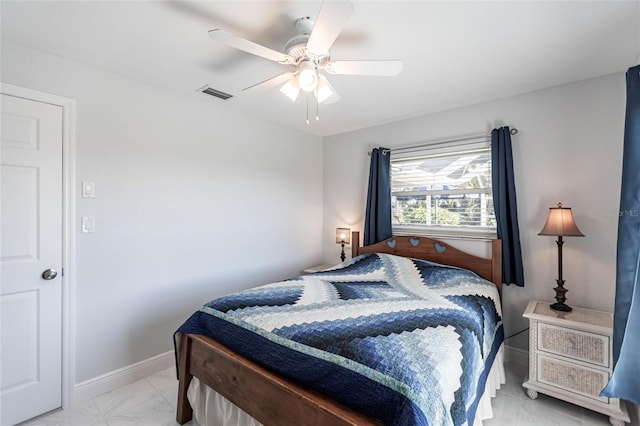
[(315, 92), (307, 108)]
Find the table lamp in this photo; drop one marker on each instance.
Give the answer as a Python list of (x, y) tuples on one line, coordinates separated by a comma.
[(560, 223), (343, 236)]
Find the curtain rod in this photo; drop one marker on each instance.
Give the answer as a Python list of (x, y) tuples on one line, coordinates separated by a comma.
[(513, 131)]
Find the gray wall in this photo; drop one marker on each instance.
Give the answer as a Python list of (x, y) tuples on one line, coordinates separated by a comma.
[(569, 150), (188, 191), (193, 201)]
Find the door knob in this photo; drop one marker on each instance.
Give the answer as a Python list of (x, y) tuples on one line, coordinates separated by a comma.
[(49, 274)]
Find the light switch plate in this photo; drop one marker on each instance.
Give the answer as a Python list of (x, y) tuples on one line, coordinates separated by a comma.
[(88, 190), (88, 224)]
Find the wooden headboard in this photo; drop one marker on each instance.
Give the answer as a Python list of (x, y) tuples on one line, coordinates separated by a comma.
[(439, 252)]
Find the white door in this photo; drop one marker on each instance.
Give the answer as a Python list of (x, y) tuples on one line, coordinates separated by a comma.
[(30, 244)]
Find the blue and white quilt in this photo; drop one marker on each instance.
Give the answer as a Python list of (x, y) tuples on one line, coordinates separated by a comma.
[(406, 341)]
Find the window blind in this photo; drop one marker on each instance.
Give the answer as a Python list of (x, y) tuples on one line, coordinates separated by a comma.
[(443, 190)]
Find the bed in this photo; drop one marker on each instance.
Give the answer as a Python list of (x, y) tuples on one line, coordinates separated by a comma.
[(312, 371)]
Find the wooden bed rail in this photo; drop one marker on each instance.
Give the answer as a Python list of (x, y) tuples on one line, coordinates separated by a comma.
[(267, 397)]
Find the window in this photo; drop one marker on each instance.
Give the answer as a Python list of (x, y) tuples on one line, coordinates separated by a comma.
[(443, 192)]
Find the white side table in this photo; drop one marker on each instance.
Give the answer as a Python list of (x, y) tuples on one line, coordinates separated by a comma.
[(570, 358)]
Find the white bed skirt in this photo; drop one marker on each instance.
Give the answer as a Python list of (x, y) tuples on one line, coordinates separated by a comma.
[(212, 409)]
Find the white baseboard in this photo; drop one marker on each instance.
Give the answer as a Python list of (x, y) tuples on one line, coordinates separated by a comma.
[(516, 355), (123, 376)]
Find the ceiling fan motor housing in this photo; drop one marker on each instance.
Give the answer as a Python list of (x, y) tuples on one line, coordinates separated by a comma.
[(296, 47)]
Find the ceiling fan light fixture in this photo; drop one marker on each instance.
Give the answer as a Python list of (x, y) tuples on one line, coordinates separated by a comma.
[(291, 89), (324, 92), (307, 76)]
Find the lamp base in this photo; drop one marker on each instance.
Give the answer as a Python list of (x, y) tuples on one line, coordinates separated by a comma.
[(561, 307), (560, 298)]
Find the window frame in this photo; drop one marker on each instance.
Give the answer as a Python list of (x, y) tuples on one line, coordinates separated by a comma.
[(443, 231)]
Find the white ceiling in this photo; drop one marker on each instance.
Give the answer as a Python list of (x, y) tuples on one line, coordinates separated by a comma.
[(454, 53)]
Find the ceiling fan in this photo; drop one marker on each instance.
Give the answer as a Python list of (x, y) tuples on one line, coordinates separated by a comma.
[(308, 53)]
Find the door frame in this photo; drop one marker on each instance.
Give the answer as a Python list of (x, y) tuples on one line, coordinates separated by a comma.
[(68, 106)]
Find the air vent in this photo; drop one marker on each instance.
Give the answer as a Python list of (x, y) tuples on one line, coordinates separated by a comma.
[(213, 92)]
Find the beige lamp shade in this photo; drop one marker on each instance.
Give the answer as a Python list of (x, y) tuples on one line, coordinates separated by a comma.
[(560, 223), (343, 235)]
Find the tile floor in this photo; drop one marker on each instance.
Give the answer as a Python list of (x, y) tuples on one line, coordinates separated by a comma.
[(152, 401)]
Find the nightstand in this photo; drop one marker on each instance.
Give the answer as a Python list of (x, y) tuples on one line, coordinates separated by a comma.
[(570, 358), (318, 268)]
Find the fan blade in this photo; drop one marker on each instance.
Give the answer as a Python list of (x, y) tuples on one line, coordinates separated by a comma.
[(271, 82), (381, 68), (249, 46), (329, 22)]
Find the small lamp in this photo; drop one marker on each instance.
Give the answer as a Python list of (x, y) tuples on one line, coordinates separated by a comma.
[(343, 236), (561, 224)]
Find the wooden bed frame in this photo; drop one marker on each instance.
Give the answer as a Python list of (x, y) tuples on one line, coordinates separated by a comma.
[(274, 400)]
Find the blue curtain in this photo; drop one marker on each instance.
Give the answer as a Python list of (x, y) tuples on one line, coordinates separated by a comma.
[(377, 221), (625, 381), (505, 206)]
